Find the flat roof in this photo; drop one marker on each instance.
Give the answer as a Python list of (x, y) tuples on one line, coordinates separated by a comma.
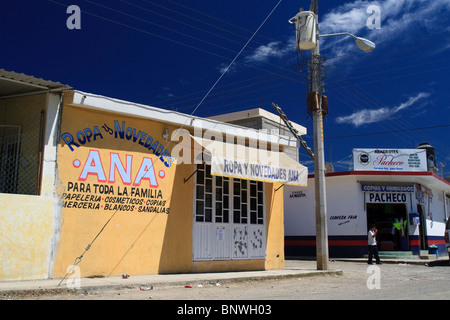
[(421, 177), (254, 113)]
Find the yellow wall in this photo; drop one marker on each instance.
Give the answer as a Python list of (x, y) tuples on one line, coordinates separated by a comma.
[(26, 232), (133, 241), (275, 227), (136, 242)]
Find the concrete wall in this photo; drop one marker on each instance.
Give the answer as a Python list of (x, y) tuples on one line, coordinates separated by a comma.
[(27, 221), (345, 209)]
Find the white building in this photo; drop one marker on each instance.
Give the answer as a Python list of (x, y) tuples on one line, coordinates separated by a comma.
[(409, 205)]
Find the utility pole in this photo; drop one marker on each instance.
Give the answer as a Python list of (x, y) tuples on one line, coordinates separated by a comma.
[(316, 107), (307, 28)]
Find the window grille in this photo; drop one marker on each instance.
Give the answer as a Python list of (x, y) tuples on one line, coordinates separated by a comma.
[(21, 152), (221, 199), (9, 158)]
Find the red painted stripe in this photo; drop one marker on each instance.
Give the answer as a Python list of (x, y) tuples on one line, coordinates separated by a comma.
[(348, 242), (430, 242), (300, 242), (352, 242)]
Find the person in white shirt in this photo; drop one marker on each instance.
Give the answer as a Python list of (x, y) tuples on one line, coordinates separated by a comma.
[(373, 248)]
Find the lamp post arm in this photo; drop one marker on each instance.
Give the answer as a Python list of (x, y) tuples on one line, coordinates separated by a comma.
[(337, 34), (364, 44)]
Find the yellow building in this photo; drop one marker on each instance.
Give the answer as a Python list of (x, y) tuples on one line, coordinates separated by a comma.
[(127, 188)]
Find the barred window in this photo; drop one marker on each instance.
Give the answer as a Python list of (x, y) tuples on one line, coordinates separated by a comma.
[(9, 158), (225, 200), (21, 151)]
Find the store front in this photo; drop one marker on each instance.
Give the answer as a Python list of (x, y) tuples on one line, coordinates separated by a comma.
[(112, 187), (391, 223), (229, 220), (387, 208), (408, 208), (395, 189), (232, 198), (183, 199)]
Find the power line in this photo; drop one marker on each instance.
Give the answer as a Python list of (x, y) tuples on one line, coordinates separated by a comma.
[(215, 18), (239, 53), (386, 132), (160, 26), (187, 35), (368, 99), (181, 43), (146, 32), (197, 20), (179, 21)]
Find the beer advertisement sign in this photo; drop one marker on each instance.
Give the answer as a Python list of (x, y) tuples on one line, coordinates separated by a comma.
[(389, 160)]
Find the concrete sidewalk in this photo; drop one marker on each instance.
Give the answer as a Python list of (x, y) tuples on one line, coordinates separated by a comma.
[(292, 268)]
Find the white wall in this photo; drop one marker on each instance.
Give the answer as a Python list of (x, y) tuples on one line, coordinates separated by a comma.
[(434, 210), (345, 208)]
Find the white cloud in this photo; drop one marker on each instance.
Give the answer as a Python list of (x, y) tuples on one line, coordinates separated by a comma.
[(262, 54), (410, 102), (349, 17), (366, 116), (166, 93), (399, 19), (225, 67), (267, 51)]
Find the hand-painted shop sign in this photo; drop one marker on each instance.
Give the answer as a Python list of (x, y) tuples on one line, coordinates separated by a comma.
[(253, 163), (120, 131), (297, 194), (257, 171), (389, 159), (386, 197), (117, 180), (387, 188), (386, 193)]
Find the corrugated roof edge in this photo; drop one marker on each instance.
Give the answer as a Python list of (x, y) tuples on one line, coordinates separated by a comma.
[(27, 79)]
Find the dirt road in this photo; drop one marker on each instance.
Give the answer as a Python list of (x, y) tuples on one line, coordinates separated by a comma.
[(358, 281)]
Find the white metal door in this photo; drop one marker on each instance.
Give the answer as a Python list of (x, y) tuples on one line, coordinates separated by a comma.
[(229, 218)]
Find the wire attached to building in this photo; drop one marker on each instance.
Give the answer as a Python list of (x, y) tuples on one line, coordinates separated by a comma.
[(78, 259)]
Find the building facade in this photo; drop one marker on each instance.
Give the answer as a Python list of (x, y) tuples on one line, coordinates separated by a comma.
[(409, 208), (122, 187)]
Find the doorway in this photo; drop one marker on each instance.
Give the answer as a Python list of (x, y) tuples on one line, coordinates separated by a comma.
[(391, 222), (422, 228)]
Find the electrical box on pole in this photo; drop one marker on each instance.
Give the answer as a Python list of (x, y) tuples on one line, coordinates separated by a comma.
[(314, 101), (306, 32)]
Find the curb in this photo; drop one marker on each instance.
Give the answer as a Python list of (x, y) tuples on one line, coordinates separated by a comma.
[(91, 284)]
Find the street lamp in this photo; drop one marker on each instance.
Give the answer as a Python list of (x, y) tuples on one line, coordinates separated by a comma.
[(307, 29), (364, 44)]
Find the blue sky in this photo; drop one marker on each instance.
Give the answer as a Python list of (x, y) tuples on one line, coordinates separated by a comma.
[(169, 54)]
